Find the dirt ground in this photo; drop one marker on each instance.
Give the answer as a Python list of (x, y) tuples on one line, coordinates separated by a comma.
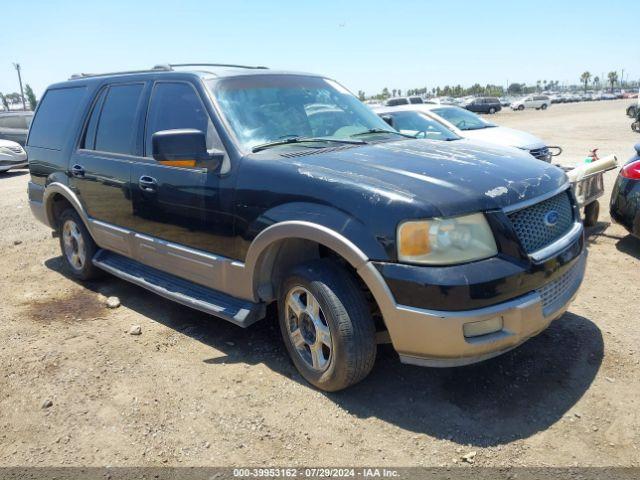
[(195, 390)]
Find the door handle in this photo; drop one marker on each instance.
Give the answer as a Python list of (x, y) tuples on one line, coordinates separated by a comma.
[(147, 184), (77, 171)]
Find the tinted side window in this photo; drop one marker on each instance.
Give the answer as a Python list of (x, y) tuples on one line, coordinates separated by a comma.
[(55, 115), (117, 123), (89, 140), (174, 106)]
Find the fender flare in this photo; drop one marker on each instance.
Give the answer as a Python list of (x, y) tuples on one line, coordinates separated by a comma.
[(61, 189), (327, 237)]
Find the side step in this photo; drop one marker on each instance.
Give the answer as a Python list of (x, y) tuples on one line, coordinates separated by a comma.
[(240, 312)]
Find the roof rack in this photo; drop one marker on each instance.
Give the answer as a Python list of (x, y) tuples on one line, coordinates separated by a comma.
[(164, 68), (86, 75), (170, 66)]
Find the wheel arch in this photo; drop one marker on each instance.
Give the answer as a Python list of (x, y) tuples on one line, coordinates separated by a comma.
[(284, 244), (56, 197)]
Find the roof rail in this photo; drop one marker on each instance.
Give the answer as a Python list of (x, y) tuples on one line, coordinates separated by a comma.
[(164, 68), (224, 65), (86, 75)]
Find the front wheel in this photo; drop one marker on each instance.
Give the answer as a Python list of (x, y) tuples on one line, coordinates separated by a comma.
[(520, 107), (544, 106), (326, 325), (492, 110)]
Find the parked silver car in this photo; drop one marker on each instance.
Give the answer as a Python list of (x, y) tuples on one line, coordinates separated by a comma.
[(12, 155), (467, 124)]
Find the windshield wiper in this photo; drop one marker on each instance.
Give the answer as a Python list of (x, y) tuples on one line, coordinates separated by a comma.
[(381, 130), (286, 141)]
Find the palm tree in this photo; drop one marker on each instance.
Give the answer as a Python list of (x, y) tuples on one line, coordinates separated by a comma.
[(584, 78), (613, 78), (596, 81)]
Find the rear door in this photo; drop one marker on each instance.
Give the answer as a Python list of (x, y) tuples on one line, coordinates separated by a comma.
[(179, 202), (100, 168)]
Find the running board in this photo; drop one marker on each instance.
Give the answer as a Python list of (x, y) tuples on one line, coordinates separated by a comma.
[(240, 312)]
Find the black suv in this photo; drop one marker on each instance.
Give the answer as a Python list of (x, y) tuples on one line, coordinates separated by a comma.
[(227, 189), (484, 105)]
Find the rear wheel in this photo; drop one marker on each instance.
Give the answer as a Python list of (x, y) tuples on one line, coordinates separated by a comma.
[(492, 110), (326, 325), (78, 248), (544, 106)]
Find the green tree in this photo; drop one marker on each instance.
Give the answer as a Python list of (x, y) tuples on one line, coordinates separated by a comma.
[(385, 92), (613, 78), (13, 97), (4, 101), (31, 97), (596, 81), (515, 88), (584, 78)]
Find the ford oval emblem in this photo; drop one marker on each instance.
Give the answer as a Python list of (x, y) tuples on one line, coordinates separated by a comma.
[(551, 218)]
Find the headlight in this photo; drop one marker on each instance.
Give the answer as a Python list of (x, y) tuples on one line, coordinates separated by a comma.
[(446, 241)]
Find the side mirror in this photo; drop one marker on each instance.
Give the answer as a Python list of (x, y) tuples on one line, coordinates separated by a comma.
[(184, 148), (388, 119)]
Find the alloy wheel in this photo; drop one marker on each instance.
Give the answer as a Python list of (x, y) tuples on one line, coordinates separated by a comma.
[(74, 247), (308, 328)]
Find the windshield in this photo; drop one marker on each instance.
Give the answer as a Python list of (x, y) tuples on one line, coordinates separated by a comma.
[(462, 119), (418, 124), (268, 108)]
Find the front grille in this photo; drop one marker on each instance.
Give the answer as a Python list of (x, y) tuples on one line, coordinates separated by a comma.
[(541, 153), (557, 293), (532, 223), (16, 149)]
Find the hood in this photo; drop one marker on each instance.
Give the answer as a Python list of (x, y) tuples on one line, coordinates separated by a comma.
[(505, 136), (434, 178)]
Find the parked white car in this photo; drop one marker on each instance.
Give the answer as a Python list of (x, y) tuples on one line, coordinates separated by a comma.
[(539, 102), (12, 155), (467, 124)]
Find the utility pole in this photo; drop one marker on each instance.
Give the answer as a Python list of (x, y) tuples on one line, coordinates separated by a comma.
[(24, 104)]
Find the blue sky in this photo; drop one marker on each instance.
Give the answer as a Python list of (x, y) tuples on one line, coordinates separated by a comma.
[(364, 44)]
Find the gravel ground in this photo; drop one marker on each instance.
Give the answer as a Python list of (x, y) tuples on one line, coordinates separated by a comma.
[(76, 388)]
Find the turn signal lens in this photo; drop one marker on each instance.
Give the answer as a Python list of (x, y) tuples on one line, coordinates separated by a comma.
[(631, 170), (414, 239)]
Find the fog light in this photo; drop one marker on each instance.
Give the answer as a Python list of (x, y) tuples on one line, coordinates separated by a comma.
[(483, 327)]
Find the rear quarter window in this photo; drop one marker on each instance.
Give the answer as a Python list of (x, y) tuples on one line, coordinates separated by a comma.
[(51, 125)]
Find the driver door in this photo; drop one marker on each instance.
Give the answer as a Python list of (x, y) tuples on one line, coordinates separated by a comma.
[(178, 204)]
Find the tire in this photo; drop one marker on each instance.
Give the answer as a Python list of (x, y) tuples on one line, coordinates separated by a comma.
[(77, 246), (342, 313), (492, 110), (591, 213), (520, 107), (543, 106)]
